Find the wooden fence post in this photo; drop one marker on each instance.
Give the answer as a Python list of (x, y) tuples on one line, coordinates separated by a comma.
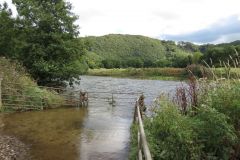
[(143, 149)]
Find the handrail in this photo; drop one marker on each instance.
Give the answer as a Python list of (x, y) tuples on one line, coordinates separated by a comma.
[(142, 140)]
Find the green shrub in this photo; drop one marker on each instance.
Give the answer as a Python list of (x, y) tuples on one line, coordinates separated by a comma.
[(214, 133), (226, 99), (171, 135), (207, 134), (198, 70)]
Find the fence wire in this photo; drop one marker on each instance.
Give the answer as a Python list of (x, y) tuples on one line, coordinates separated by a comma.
[(32, 97)]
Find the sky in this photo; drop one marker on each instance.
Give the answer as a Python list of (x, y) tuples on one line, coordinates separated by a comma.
[(197, 21)]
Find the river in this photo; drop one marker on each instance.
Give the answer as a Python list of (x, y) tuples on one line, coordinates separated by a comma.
[(100, 131)]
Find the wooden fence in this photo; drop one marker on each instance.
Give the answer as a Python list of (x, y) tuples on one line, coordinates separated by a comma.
[(143, 149)]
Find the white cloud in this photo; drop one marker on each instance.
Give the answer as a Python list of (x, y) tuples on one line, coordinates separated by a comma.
[(150, 17), (227, 38), (219, 30)]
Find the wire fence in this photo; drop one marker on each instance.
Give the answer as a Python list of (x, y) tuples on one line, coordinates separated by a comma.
[(22, 97)]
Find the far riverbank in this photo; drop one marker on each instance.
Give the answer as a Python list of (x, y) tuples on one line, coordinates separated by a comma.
[(142, 73)]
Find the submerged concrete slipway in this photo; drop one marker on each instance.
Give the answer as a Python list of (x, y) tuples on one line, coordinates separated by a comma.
[(99, 131)]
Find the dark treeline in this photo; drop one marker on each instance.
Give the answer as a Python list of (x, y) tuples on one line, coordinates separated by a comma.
[(43, 38), (122, 51), (218, 54)]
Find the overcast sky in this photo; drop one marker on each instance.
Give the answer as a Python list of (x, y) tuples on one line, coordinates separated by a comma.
[(199, 21)]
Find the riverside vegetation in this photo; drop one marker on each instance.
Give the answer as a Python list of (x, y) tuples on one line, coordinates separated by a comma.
[(20, 89), (144, 73), (202, 121), (42, 39), (164, 73)]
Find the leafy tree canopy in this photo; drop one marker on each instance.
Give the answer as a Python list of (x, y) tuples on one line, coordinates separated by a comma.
[(44, 38)]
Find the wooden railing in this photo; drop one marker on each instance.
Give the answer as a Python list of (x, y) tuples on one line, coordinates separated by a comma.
[(143, 149)]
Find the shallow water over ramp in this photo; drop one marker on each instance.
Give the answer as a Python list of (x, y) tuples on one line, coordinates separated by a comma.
[(107, 126), (106, 130)]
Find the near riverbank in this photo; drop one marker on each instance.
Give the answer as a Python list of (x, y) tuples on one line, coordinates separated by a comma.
[(19, 92), (11, 148)]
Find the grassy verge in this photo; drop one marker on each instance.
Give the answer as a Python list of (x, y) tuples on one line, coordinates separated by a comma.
[(21, 91), (201, 122), (143, 73)]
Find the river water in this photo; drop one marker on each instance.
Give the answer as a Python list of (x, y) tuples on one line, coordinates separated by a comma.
[(100, 131)]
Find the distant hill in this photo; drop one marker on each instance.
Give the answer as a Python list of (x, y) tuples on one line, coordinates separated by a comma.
[(120, 51), (116, 50)]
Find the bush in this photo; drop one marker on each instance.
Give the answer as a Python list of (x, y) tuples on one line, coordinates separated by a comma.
[(198, 70), (214, 133), (203, 121), (171, 135), (226, 99), (205, 135), (210, 129)]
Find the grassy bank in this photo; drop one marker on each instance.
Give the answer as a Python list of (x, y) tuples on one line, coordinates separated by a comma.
[(143, 73), (20, 92), (166, 73), (206, 125)]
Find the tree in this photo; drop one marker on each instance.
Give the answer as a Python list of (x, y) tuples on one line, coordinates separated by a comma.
[(51, 45), (7, 31), (216, 55)]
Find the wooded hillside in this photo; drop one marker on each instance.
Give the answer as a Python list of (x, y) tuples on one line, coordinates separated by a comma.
[(120, 51)]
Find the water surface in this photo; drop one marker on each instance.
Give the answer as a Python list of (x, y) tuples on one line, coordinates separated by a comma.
[(100, 131)]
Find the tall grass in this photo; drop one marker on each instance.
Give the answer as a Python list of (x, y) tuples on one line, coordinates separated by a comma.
[(21, 91)]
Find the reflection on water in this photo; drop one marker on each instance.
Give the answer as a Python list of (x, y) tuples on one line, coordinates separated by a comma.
[(100, 131), (108, 126)]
